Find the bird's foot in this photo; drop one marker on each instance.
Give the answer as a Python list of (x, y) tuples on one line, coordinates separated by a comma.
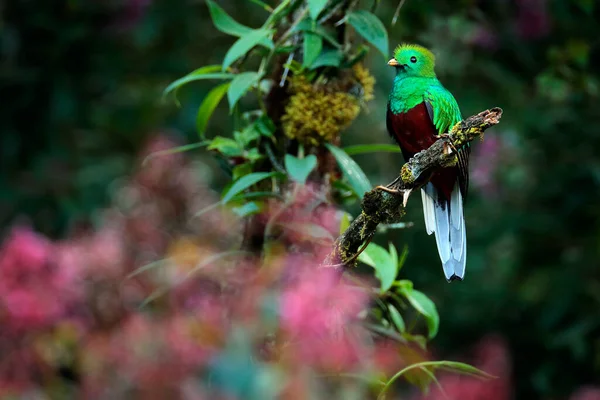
[(405, 197), (450, 143), (405, 193), (387, 189)]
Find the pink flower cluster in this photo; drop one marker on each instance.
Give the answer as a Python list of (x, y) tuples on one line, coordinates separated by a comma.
[(34, 291), (71, 308), (320, 317)]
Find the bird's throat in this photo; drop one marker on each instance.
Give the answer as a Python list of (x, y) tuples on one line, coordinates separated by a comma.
[(408, 91)]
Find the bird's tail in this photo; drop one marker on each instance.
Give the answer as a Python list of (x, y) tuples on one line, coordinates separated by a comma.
[(446, 220)]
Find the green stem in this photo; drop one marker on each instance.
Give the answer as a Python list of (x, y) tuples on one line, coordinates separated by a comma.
[(398, 374), (265, 6)]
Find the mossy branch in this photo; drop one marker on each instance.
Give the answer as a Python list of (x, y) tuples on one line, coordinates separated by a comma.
[(385, 204)]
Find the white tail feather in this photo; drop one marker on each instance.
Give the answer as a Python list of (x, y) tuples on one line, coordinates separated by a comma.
[(447, 221), (428, 212)]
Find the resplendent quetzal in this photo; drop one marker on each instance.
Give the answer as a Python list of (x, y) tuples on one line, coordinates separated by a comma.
[(419, 110)]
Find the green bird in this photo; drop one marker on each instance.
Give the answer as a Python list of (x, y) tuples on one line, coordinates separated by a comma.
[(419, 110)]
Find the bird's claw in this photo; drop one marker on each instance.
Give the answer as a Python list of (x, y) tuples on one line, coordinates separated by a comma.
[(405, 196), (450, 143), (387, 189), (405, 193)]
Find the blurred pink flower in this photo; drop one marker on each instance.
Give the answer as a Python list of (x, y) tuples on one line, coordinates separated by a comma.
[(484, 37), (24, 254), (586, 393), (34, 290), (533, 19), (485, 164), (156, 172), (132, 12), (144, 354), (317, 310)]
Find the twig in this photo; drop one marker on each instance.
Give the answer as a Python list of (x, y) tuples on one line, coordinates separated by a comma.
[(381, 207), (397, 12)]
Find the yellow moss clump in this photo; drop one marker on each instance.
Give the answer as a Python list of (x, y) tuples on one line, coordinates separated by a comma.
[(315, 115), (366, 80), (406, 175)]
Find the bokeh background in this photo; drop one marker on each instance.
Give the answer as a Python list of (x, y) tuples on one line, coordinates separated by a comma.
[(81, 87)]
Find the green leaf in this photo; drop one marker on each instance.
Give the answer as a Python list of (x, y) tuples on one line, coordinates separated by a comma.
[(355, 175), (240, 85), (384, 263), (265, 126), (393, 255), (246, 209), (224, 23), (263, 5), (403, 256), (308, 25), (279, 12), (208, 106), (397, 318), (247, 135), (240, 170), (300, 168), (244, 45), (432, 366), (344, 222), (208, 72), (461, 368), (315, 7), (372, 148), (328, 58), (425, 307), (244, 183), (257, 195), (419, 340), (226, 146), (208, 208), (174, 150), (253, 155), (313, 44), (370, 28)]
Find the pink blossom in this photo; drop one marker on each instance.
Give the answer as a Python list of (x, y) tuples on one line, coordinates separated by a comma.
[(317, 311), (533, 20), (31, 308), (33, 292), (132, 13), (586, 393), (484, 37), (145, 353), (485, 165), (23, 254)]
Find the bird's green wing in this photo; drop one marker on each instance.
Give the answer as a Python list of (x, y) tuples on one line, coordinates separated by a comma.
[(444, 108), (444, 113)]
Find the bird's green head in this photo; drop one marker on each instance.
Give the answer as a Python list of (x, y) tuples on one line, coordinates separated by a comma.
[(413, 60)]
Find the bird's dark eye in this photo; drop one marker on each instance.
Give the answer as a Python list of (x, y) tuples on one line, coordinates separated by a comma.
[(413, 59)]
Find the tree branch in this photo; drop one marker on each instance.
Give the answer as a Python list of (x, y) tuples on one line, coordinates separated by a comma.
[(386, 204)]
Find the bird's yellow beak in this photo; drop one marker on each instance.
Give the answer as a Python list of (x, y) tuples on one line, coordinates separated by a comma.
[(393, 62)]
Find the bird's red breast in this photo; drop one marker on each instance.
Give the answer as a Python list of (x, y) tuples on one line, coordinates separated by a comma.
[(414, 131)]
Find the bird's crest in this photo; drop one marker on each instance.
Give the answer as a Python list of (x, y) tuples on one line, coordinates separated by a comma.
[(414, 47)]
